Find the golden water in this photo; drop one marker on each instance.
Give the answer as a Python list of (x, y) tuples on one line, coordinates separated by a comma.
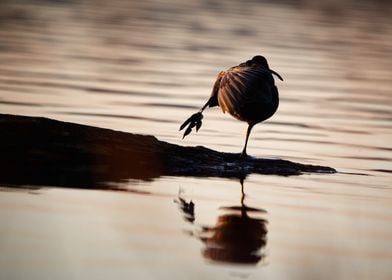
[(145, 66)]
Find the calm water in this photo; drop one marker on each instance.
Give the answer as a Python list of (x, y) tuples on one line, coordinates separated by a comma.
[(145, 66)]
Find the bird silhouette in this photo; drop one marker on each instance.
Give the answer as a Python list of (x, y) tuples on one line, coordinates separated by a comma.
[(246, 91)]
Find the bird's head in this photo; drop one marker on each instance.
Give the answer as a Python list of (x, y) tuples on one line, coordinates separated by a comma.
[(262, 61)]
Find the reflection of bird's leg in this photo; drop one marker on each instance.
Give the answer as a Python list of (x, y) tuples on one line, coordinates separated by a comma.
[(188, 208), (242, 191), (243, 208), (243, 154)]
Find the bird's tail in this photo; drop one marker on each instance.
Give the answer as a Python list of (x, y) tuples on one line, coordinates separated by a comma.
[(191, 122)]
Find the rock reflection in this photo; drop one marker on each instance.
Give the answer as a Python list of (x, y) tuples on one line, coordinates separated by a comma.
[(236, 238)]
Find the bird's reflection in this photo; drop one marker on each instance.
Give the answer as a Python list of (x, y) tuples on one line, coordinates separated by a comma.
[(236, 237)]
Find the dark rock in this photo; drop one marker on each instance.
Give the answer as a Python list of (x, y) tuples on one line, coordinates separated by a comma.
[(45, 152)]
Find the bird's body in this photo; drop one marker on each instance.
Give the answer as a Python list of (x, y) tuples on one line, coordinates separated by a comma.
[(247, 92)]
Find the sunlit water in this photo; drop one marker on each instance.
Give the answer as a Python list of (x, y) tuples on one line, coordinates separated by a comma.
[(145, 66)]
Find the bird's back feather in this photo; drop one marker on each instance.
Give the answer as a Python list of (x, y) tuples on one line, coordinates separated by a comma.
[(247, 92)]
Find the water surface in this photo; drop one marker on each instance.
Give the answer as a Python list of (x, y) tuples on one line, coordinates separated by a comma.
[(144, 67)]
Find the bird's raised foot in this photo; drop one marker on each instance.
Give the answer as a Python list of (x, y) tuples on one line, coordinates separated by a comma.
[(191, 122)]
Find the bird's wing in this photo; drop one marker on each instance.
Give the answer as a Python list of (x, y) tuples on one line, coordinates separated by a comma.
[(239, 85), (213, 101)]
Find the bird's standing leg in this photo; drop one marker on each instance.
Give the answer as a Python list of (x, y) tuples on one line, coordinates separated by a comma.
[(243, 154)]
